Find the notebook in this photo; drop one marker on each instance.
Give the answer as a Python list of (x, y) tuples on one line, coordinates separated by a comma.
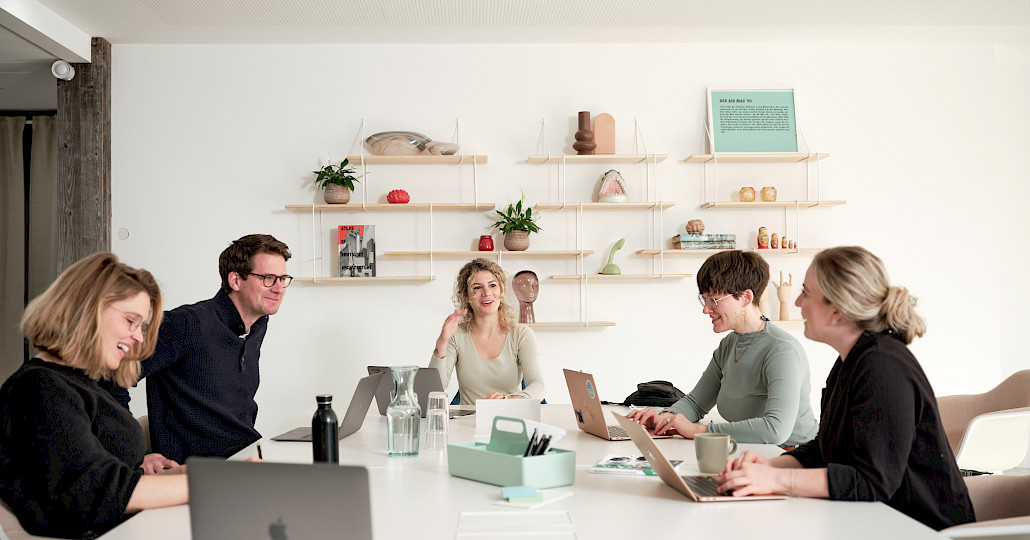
[(426, 380), (352, 421), (586, 403), (697, 488), (241, 500)]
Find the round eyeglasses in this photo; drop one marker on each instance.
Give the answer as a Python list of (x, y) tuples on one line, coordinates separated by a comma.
[(135, 320), (268, 280), (712, 303)]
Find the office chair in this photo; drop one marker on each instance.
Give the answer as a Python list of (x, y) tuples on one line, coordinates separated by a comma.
[(989, 432), (457, 396), (10, 526), (999, 503)]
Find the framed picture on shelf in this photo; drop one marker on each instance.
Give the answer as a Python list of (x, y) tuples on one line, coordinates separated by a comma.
[(752, 120)]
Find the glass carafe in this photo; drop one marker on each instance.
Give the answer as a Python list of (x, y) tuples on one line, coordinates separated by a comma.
[(403, 415)]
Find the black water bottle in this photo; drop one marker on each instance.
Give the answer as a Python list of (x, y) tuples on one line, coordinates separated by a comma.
[(325, 440)]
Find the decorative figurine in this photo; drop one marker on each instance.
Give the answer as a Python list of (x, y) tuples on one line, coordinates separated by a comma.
[(792, 246), (585, 144), (604, 134), (747, 194), (611, 269), (768, 194), (612, 187), (775, 242), (527, 287), (763, 238), (783, 290), (783, 242), (398, 196), (695, 226), (407, 143)]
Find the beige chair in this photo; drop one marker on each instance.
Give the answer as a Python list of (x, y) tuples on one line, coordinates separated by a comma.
[(144, 424), (10, 525), (1001, 506), (989, 432)]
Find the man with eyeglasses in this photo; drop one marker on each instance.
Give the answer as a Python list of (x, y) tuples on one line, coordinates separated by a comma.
[(203, 376)]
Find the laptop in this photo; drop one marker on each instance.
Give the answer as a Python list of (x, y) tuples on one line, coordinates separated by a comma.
[(697, 488), (426, 380), (586, 403), (241, 500), (352, 421)]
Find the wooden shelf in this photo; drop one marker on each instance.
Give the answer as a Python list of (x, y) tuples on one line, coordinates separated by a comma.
[(713, 251), (512, 254), (569, 324), (416, 160), (774, 204), (357, 207), (339, 280), (597, 158), (603, 205), (606, 277), (757, 157)]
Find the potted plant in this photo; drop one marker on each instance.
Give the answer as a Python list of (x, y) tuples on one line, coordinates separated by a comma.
[(337, 182), (516, 224)]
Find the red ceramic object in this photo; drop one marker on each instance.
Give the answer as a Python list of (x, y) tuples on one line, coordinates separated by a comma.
[(398, 196), (486, 243)]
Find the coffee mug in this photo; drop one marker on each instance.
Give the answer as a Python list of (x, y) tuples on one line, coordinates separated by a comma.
[(713, 449)]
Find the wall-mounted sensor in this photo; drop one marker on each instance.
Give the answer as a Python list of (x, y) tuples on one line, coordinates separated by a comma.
[(62, 70)]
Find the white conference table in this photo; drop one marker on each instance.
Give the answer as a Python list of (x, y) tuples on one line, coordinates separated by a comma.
[(416, 496)]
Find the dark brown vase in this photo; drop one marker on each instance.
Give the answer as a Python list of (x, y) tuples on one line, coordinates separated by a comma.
[(585, 144)]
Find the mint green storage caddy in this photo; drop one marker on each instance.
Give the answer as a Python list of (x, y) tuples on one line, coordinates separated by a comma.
[(500, 461)]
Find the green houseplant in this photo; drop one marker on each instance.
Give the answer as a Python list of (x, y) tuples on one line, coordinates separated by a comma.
[(517, 223), (337, 181)]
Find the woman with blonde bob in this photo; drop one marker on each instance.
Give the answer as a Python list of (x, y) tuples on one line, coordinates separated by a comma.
[(491, 352), (70, 455), (880, 435)]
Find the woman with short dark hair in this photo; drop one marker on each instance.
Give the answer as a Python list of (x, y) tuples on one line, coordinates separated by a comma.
[(880, 434), (758, 376)]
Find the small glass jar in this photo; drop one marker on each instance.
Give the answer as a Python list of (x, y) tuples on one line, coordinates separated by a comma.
[(486, 243)]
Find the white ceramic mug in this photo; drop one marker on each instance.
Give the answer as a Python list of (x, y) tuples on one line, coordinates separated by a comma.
[(713, 449)]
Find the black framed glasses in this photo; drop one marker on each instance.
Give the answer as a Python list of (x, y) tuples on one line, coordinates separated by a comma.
[(135, 320), (268, 280), (712, 303)]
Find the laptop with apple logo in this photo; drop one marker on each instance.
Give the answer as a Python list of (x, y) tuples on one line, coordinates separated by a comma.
[(241, 500)]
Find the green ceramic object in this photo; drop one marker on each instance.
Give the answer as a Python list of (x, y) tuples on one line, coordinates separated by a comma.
[(612, 269)]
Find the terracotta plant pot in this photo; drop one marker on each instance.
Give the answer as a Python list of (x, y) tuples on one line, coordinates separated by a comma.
[(516, 241), (335, 194)]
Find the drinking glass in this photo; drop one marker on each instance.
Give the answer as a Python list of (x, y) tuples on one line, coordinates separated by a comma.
[(436, 421)]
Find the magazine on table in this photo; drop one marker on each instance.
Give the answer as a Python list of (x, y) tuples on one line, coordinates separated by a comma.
[(613, 464)]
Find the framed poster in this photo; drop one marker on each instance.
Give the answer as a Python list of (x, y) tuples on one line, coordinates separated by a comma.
[(752, 120)]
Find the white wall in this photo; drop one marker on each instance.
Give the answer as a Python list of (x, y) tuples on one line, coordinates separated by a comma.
[(928, 145)]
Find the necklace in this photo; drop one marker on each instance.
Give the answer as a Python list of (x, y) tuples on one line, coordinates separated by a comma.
[(737, 354)]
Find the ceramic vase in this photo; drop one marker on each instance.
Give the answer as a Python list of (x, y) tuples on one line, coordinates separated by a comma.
[(404, 414), (516, 241), (335, 194), (486, 243), (585, 144)]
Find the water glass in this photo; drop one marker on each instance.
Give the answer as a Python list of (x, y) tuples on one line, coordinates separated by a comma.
[(436, 421)]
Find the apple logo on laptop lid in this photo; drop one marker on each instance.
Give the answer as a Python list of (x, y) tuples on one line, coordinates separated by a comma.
[(277, 530)]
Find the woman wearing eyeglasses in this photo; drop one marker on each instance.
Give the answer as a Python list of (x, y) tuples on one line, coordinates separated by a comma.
[(880, 435), (758, 376), (70, 455)]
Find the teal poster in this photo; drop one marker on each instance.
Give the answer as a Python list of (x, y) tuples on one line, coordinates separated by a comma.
[(754, 121)]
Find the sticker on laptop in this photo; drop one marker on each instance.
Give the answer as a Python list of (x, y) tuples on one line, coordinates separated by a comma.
[(590, 390)]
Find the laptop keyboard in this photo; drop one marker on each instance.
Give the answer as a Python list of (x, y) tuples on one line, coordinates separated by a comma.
[(617, 432), (705, 486)]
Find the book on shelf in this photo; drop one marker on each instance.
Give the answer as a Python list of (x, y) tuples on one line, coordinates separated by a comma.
[(704, 238), (634, 465), (357, 249), (729, 244)]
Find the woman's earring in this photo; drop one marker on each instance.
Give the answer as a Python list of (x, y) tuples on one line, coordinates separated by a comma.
[(833, 322)]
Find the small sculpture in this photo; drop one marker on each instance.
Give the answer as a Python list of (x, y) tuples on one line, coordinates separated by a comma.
[(783, 290), (763, 238), (604, 134), (527, 287), (407, 143), (398, 196), (585, 144), (792, 245), (747, 194), (783, 242), (612, 187), (775, 242), (695, 226), (611, 269), (768, 194)]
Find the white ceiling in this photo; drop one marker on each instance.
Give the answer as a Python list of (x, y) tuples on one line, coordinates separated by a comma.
[(23, 66)]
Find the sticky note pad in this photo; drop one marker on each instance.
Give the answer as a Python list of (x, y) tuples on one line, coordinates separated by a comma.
[(539, 497), (518, 491)]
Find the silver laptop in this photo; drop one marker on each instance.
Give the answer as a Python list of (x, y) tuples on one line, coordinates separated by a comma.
[(241, 500), (352, 421), (426, 380), (586, 404), (697, 488)]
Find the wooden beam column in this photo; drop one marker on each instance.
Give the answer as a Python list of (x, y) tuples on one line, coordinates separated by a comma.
[(84, 158)]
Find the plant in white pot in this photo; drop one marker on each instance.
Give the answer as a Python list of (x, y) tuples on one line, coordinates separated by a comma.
[(517, 223), (337, 181)]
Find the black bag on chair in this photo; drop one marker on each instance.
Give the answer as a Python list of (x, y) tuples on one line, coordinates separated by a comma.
[(654, 394)]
